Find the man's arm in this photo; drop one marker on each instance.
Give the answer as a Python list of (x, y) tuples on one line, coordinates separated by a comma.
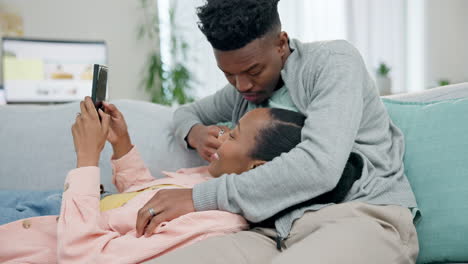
[(315, 165), (207, 111)]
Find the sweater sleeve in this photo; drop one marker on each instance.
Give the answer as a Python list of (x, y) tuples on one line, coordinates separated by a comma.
[(129, 170), (315, 165), (207, 111), (79, 231)]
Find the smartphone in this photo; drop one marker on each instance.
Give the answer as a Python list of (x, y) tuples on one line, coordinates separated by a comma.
[(98, 93)]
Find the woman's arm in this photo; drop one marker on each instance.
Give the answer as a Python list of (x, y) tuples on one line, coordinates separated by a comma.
[(85, 236), (79, 231), (128, 169), (121, 147)]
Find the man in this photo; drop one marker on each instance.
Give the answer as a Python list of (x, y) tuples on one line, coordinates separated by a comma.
[(328, 83)]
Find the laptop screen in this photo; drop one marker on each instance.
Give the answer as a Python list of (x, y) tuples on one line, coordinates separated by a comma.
[(38, 70)]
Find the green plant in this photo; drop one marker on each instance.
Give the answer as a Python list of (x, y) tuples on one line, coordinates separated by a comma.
[(383, 69), (443, 82), (166, 82)]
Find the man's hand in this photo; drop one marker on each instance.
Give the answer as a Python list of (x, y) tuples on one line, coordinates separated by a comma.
[(89, 134), (205, 139), (168, 204)]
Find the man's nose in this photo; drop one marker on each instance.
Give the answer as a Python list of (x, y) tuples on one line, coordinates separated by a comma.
[(243, 84)]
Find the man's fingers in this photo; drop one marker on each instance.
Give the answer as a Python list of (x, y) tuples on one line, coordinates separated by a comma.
[(209, 151), (213, 143), (207, 154), (214, 130), (154, 222), (142, 220), (144, 216), (225, 128)]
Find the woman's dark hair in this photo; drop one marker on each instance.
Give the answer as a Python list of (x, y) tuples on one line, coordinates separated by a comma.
[(282, 135), (232, 24)]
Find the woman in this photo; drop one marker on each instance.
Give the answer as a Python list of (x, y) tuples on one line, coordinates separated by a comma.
[(90, 230)]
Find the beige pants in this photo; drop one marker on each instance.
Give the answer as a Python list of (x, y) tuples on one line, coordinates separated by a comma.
[(352, 232)]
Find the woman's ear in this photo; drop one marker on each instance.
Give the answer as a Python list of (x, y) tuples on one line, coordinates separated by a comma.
[(257, 163)]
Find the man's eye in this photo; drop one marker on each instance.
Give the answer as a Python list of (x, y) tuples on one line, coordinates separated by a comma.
[(255, 73)]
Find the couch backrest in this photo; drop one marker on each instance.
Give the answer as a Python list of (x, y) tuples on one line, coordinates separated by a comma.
[(453, 91), (36, 145)]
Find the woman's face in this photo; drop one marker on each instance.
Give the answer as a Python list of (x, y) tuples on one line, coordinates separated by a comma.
[(236, 146)]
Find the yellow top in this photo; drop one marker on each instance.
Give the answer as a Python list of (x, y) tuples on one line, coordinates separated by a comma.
[(117, 200)]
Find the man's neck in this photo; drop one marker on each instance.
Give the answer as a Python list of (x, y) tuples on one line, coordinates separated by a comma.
[(286, 56), (280, 83)]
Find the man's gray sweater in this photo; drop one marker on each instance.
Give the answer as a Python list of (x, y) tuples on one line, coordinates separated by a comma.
[(329, 84)]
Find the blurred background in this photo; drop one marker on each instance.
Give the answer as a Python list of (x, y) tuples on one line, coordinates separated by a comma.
[(155, 52)]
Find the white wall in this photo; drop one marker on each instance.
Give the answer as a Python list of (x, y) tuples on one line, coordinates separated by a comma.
[(446, 41), (208, 78), (109, 20)]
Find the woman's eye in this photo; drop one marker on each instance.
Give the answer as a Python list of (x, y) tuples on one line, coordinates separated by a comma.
[(230, 136)]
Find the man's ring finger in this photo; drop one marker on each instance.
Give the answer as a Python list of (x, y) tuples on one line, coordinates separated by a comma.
[(221, 132), (152, 212)]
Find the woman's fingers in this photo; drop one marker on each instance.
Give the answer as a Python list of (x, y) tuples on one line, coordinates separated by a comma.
[(83, 108), (112, 109), (105, 121), (90, 107)]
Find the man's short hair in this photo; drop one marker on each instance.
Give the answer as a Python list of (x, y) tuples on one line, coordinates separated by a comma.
[(232, 24)]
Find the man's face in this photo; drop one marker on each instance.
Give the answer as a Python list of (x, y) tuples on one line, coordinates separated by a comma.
[(255, 68)]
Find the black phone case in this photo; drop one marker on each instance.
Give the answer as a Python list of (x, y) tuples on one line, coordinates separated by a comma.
[(99, 89)]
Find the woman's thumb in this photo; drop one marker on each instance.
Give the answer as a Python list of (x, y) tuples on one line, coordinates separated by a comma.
[(105, 120), (111, 109)]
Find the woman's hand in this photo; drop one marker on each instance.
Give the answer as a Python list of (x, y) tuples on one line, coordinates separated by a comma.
[(89, 135), (118, 130)]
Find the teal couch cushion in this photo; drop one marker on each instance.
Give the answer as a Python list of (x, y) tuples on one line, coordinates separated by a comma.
[(436, 164)]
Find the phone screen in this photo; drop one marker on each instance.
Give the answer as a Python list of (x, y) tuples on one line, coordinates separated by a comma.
[(98, 93)]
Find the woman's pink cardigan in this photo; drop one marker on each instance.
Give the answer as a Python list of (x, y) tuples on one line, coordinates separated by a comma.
[(83, 234)]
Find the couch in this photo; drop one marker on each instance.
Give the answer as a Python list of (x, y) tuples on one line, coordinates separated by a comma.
[(37, 146)]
